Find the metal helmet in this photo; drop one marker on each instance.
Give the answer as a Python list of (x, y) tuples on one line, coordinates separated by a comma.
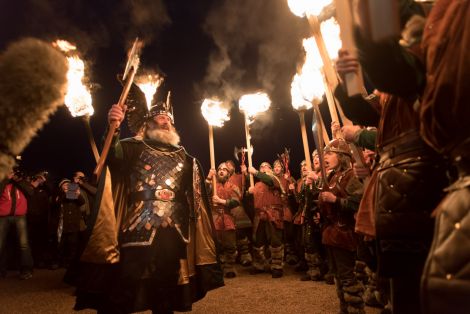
[(338, 146), (162, 108), (265, 163)]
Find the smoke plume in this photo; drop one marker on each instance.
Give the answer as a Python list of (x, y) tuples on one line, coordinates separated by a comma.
[(258, 46)]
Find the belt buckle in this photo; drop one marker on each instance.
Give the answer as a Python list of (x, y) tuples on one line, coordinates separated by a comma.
[(165, 195)]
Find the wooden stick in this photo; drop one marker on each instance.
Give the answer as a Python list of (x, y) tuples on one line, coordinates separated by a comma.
[(354, 81), (248, 149), (91, 139), (305, 140), (212, 157)]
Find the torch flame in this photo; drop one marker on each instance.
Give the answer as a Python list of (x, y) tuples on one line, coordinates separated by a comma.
[(64, 45), (308, 84), (78, 98), (214, 112), (253, 104), (149, 84), (330, 31), (311, 7)]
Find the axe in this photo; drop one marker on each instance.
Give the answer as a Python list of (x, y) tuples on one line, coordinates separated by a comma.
[(130, 70), (240, 151)]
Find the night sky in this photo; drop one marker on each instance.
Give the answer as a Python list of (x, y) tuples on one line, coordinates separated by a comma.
[(206, 48)]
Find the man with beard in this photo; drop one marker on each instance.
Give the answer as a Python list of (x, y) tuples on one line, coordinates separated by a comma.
[(226, 198), (242, 217), (288, 186), (167, 250), (268, 222), (309, 218)]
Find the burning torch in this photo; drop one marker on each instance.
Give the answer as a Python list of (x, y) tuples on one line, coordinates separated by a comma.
[(215, 115), (317, 12), (129, 73), (307, 87), (251, 105), (78, 98)]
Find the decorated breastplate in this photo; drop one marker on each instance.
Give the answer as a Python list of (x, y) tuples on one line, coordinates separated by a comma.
[(156, 196)]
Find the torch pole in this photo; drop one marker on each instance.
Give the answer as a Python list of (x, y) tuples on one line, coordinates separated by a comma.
[(305, 140), (354, 81), (248, 148), (114, 124), (212, 156), (91, 139)]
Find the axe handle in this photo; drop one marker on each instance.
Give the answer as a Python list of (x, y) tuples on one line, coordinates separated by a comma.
[(114, 125)]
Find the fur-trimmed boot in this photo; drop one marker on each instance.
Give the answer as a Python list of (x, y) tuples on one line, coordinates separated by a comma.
[(353, 297), (259, 260), (291, 256), (314, 263), (229, 265), (244, 250)]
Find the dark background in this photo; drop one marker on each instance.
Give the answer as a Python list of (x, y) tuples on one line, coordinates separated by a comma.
[(206, 48)]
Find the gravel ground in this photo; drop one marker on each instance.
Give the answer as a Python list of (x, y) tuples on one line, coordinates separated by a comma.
[(45, 293)]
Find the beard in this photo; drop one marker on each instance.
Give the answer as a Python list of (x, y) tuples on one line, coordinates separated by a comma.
[(170, 136), (222, 179)]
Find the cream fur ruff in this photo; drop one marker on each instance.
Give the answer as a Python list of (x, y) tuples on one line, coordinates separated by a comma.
[(32, 86)]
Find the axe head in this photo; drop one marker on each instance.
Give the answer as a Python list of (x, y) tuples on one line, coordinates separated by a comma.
[(327, 12), (133, 58), (237, 151)]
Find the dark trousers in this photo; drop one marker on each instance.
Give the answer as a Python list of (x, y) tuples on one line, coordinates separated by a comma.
[(267, 234), (69, 246), (26, 261)]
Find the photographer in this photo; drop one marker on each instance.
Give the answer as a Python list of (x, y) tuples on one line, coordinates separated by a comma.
[(69, 201), (13, 208)]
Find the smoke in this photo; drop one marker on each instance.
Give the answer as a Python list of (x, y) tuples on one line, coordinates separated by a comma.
[(147, 18), (90, 25), (258, 46), (32, 85)]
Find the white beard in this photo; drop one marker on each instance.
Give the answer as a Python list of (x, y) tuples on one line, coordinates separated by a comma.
[(163, 136)]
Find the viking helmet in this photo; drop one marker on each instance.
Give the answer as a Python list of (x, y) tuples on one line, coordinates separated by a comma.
[(162, 108), (338, 146), (265, 164)]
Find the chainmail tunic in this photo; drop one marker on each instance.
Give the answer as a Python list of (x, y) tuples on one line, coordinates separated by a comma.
[(156, 198)]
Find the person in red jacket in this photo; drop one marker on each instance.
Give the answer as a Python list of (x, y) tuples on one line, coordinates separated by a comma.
[(13, 208)]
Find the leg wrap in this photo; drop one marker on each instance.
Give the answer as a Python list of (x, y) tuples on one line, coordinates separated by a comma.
[(277, 256), (244, 250), (353, 297), (259, 259), (314, 263)]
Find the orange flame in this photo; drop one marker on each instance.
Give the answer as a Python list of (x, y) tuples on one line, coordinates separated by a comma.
[(330, 31), (307, 85), (214, 112), (253, 104), (149, 84), (78, 98), (303, 7)]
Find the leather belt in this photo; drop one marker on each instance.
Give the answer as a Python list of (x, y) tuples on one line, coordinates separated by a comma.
[(153, 194), (404, 145)]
